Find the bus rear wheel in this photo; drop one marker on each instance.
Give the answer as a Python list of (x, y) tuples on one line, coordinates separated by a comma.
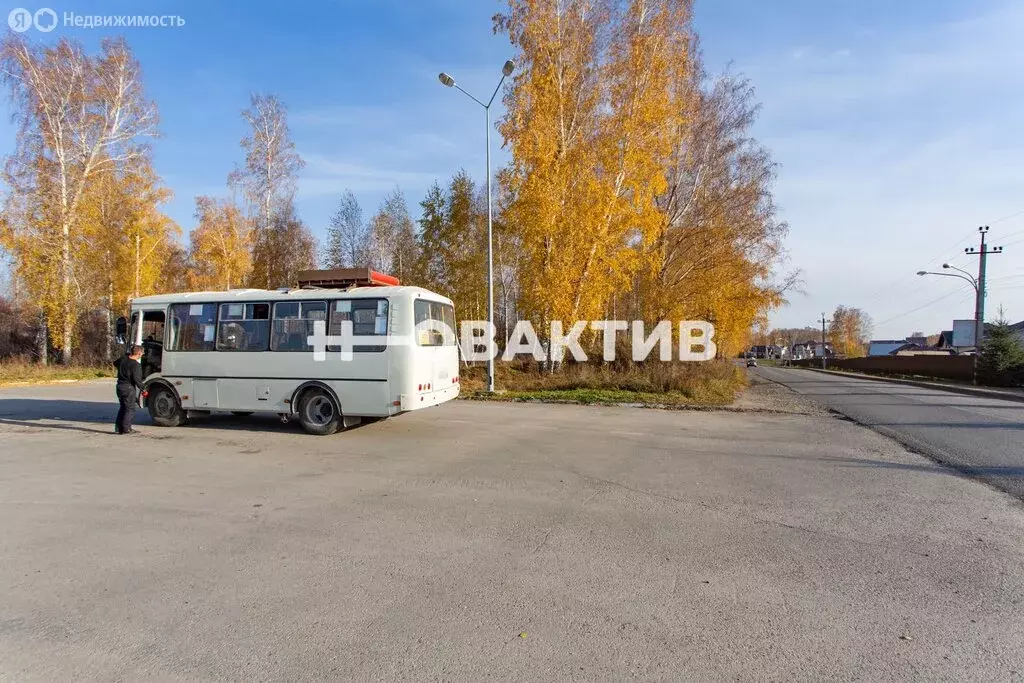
[(164, 407), (318, 413)]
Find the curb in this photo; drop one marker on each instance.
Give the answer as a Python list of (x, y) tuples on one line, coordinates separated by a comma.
[(729, 408), (952, 388), (20, 384)]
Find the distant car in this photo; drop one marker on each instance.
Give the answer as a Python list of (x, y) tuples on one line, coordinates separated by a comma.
[(751, 363)]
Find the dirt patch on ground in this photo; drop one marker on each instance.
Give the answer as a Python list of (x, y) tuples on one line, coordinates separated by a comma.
[(764, 395)]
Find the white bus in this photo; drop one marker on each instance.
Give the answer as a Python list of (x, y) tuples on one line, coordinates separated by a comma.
[(247, 351)]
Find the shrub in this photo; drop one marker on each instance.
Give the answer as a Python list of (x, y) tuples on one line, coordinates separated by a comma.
[(1001, 362), (710, 382)]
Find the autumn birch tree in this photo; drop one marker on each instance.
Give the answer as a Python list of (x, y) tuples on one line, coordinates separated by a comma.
[(590, 124), (269, 179), (78, 117), (346, 235), (392, 244), (221, 249), (552, 128)]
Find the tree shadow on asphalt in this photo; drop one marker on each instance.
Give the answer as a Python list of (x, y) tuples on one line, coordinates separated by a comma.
[(904, 404), (1014, 472), (945, 425), (61, 414)]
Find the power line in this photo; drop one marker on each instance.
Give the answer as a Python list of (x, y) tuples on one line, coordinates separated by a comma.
[(1006, 218), (915, 310), (942, 255), (887, 289)]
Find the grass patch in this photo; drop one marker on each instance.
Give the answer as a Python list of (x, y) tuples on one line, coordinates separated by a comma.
[(698, 384), (593, 396), (17, 373)]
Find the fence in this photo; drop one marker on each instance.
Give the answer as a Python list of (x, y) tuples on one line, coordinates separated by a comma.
[(942, 367)]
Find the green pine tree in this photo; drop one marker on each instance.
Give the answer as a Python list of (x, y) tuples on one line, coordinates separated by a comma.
[(1002, 358)]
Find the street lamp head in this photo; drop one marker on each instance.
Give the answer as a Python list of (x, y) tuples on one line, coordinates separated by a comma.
[(922, 272), (445, 79), (508, 68), (946, 265)]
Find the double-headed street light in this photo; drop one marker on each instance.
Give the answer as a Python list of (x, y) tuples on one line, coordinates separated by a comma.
[(449, 82), (963, 275)]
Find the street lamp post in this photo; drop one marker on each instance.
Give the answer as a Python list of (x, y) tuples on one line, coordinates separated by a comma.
[(449, 82), (964, 275)]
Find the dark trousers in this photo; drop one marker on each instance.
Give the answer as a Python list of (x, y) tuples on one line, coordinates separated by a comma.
[(126, 412)]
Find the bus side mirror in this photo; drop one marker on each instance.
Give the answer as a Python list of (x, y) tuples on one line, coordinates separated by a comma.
[(121, 329)]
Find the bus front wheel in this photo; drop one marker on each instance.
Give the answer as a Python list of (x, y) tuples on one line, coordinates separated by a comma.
[(318, 413), (164, 407)]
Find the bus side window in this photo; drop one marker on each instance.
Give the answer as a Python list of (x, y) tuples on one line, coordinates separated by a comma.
[(244, 327), (294, 323), (192, 327), (369, 318)]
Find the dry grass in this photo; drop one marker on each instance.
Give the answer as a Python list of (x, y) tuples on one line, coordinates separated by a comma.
[(17, 372), (704, 384)]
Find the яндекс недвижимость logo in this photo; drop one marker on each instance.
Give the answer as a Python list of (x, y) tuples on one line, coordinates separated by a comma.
[(46, 19), (21, 19)]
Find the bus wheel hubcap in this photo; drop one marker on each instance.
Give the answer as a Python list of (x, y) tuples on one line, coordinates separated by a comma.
[(163, 404), (319, 410)]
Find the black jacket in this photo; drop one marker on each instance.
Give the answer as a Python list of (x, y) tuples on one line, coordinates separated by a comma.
[(129, 373)]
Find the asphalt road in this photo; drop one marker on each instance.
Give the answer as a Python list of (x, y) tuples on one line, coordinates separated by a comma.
[(982, 437), (487, 540)]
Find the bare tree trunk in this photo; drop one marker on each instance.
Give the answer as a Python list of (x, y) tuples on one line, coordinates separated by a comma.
[(138, 257), (66, 324), (42, 340), (109, 336)]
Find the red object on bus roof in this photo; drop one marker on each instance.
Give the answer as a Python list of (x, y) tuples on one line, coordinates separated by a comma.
[(382, 280)]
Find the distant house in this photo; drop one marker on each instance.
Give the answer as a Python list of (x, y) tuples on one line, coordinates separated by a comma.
[(811, 349), (884, 347), (909, 349), (889, 347)]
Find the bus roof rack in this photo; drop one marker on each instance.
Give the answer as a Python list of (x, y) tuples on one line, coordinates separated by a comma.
[(343, 278)]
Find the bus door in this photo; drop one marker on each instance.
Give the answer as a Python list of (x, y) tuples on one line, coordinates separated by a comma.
[(150, 336)]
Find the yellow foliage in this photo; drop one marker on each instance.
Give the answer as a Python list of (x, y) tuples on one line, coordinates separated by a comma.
[(633, 187), (221, 252)]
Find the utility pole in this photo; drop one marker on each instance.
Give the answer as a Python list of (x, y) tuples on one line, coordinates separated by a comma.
[(979, 305), (823, 350)]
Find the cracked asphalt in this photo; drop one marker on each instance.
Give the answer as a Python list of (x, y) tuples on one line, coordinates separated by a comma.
[(494, 540)]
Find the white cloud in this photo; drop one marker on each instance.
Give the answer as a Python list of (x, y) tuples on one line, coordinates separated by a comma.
[(323, 176)]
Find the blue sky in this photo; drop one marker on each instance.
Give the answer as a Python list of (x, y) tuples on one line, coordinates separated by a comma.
[(896, 125)]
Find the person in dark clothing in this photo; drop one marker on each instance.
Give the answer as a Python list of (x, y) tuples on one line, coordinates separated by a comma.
[(129, 383)]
